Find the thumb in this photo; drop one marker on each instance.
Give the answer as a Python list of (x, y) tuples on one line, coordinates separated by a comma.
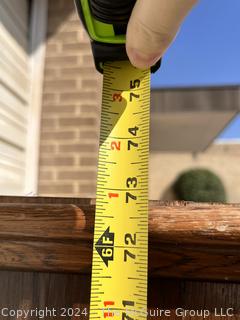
[(152, 27)]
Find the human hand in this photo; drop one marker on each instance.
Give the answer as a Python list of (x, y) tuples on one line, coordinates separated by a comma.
[(152, 27)]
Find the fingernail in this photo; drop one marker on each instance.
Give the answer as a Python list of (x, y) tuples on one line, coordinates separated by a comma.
[(142, 60)]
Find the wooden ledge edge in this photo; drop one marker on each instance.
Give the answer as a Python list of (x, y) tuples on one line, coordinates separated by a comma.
[(186, 240)]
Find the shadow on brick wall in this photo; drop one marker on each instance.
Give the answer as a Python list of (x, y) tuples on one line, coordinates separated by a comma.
[(58, 12)]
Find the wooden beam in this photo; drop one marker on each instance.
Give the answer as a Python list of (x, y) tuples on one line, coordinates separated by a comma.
[(186, 240)]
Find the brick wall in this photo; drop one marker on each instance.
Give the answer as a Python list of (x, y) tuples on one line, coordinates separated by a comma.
[(71, 107)]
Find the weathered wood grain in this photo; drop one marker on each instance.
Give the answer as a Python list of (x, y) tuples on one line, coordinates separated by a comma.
[(187, 240), (36, 291), (55, 291)]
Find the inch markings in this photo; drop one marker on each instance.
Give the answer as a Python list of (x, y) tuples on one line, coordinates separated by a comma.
[(120, 246)]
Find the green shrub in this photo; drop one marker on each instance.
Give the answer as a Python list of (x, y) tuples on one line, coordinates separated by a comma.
[(199, 185)]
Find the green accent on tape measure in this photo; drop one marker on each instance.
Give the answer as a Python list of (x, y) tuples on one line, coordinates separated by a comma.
[(99, 31)]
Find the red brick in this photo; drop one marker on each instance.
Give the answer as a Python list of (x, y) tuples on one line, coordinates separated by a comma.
[(88, 161), (87, 188), (56, 85), (56, 188), (47, 148), (48, 123), (51, 74), (77, 46), (60, 4), (67, 36), (75, 24), (49, 97), (46, 175), (56, 161), (76, 175), (88, 134), (61, 61), (86, 83), (58, 135), (56, 109), (78, 71), (77, 121), (88, 59), (71, 96), (77, 147), (53, 25), (87, 108), (70, 112), (52, 47)]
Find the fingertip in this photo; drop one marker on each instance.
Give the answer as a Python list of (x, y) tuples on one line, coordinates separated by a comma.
[(142, 60)]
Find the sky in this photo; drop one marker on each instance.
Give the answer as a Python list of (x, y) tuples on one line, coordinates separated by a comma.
[(207, 48), (231, 132), (206, 52)]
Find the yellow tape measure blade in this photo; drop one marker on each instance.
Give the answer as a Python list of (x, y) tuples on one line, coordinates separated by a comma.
[(119, 269)]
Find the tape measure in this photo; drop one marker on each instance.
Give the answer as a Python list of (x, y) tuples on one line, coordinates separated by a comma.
[(119, 268), (120, 247)]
